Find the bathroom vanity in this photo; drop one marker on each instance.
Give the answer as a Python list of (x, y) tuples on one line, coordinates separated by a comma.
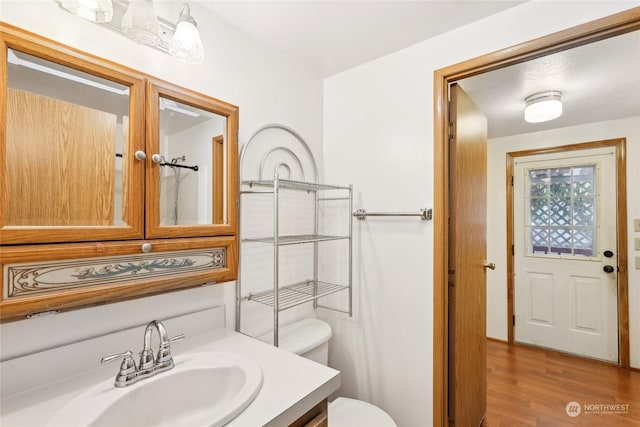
[(38, 387), (116, 185)]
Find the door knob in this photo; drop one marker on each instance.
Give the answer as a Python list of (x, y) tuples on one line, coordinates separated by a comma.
[(608, 269), (489, 265)]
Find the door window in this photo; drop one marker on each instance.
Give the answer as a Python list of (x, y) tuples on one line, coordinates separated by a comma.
[(562, 211)]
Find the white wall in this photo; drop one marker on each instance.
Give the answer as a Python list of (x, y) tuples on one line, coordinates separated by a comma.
[(267, 86), (496, 212), (378, 135)]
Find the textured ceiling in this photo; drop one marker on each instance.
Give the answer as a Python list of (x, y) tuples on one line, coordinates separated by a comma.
[(599, 81)]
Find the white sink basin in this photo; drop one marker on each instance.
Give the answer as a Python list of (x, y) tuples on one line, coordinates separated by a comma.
[(203, 389)]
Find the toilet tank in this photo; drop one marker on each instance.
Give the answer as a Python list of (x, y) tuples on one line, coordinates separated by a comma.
[(308, 338)]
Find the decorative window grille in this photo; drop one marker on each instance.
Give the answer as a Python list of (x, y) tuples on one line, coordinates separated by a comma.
[(562, 211)]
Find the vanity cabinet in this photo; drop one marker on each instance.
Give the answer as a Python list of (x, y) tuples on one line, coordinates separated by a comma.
[(113, 184), (318, 416)]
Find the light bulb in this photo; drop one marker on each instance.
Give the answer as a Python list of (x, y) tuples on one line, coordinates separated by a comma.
[(185, 44), (140, 23)]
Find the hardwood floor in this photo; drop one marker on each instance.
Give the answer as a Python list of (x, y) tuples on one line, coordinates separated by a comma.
[(532, 387)]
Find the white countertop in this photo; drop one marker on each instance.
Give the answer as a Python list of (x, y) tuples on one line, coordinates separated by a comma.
[(291, 384)]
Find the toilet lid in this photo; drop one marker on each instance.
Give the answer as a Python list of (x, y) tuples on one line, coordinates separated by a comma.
[(345, 412)]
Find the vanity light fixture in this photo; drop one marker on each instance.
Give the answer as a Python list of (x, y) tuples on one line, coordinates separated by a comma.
[(543, 106), (92, 10), (140, 23), (137, 20), (185, 44)]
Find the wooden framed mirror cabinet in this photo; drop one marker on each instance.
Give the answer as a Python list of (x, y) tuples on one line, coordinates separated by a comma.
[(113, 184)]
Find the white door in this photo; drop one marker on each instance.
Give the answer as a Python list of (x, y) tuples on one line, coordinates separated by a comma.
[(565, 260)]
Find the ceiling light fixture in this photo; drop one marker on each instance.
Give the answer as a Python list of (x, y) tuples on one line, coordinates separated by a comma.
[(92, 10), (543, 106), (140, 23), (185, 44)]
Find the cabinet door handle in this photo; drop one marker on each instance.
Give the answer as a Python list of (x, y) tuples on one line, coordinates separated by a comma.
[(146, 247), (140, 155), (157, 158)]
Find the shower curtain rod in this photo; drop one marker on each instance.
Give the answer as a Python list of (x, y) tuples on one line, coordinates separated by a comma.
[(193, 168)]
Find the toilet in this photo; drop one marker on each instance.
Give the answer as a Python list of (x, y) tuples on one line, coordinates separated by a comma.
[(309, 338)]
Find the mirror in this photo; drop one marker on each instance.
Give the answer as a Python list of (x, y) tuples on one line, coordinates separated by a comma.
[(192, 164), (66, 133), (71, 128), (192, 175)]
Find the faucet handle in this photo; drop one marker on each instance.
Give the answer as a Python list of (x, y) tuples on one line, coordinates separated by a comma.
[(128, 371), (177, 338), (164, 361), (126, 355)]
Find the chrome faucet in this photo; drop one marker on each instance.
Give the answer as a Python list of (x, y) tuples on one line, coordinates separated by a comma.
[(163, 360), (149, 365)]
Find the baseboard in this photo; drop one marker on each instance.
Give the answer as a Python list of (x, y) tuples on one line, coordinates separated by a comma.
[(497, 340)]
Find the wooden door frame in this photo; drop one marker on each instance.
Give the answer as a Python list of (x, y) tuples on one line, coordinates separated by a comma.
[(217, 178), (610, 26), (621, 196)]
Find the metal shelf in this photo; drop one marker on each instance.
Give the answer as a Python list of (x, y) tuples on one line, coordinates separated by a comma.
[(296, 294), (294, 185), (295, 240), (282, 158)]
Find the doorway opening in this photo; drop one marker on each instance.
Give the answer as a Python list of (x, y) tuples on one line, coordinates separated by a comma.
[(587, 33), (566, 227)]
